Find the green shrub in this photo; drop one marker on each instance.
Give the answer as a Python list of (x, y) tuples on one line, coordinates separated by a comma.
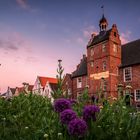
[(32, 117)]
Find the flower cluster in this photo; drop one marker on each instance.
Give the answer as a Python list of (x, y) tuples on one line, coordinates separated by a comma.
[(67, 115), (61, 104), (77, 127), (72, 101), (89, 112)]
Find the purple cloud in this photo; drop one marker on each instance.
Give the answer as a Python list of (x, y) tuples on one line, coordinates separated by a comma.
[(23, 4), (125, 37)]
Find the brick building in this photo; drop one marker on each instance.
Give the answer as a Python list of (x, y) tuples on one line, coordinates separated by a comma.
[(107, 64)]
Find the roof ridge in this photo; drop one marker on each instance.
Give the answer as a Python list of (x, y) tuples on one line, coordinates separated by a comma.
[(131, 42), (46, 77)]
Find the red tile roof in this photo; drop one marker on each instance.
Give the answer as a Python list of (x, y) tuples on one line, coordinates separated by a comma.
[(44, 80)]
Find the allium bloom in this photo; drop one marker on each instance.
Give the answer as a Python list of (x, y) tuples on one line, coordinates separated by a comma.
[(72, 101), (77, 127), (89, 112), (61, 104), (67, 115)]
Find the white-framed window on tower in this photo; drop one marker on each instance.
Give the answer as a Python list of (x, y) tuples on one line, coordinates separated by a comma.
[(137, 95), (92, 64), (127, 73), (92, 52), (115, 48), (103, 48), (79, 82), (104, 65), (104, 85)]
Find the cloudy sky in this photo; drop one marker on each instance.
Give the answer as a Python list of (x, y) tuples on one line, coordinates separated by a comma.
[(34, 34)]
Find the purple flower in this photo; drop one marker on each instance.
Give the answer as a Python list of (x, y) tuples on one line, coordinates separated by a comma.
[(89, 112), (77, 127), (61, 104), (72, 101), (67, 115)]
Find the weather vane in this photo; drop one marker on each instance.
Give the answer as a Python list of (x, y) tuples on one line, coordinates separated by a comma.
[(102, 9)]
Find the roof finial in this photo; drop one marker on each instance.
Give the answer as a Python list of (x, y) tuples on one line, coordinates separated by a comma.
[(103, 21)]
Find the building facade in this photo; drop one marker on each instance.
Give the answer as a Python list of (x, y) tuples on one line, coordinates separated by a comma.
[(44, 86), (107, 65)]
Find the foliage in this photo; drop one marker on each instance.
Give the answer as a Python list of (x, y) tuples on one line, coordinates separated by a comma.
[(33, 117), (59, 92)]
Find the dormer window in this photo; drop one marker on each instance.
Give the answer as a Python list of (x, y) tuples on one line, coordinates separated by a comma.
[(103, 48), (115, 34)]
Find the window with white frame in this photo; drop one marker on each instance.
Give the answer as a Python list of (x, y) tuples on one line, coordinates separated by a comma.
[(79, 82), (79, 96), (115, 49), (91, 52), (103, 48), (92, 64), (127, 72), (104, 65), (137, 95), (104, 88)]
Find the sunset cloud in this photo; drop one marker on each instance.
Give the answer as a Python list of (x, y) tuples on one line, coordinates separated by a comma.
[(23, 3), (88, 31), (9, 46), (80, 40), (13, 41), (125, 37)]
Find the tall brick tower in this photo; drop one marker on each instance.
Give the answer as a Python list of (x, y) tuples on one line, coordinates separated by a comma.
[(103, 60)]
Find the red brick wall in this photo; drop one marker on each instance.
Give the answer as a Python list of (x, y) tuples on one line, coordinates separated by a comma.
[(67, 83), (80, 90), (135, 83), (113, 60)]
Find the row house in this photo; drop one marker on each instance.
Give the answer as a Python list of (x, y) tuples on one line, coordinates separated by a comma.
[(107, 65), (74, 84), (44, 86), (11, 92), (129, 69)]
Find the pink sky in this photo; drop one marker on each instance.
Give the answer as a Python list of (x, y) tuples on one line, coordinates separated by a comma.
[(34, 34)]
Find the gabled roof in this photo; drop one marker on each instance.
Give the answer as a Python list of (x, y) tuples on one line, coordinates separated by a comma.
[(3, 94), (54, 86), (44, 80), (102, 36), (131, 53), (20, 89), (81, 69)]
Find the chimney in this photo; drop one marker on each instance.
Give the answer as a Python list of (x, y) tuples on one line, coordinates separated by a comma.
[(93, 35), (114, 26)]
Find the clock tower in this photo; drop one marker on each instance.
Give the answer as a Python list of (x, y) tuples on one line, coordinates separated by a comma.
[(103, 60)]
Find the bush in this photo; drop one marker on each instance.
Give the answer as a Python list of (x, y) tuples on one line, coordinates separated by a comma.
[(33, 117)]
